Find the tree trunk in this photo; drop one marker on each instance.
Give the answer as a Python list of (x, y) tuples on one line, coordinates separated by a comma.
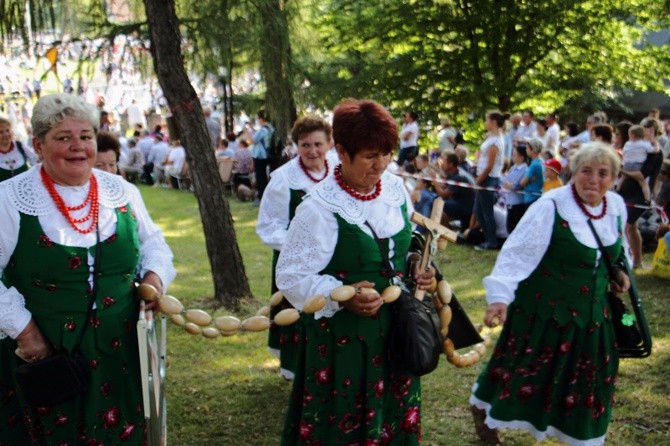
[(276, 67), (230, 281)]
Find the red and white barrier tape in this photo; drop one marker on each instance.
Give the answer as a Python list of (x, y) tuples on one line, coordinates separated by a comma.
[(656, 208)]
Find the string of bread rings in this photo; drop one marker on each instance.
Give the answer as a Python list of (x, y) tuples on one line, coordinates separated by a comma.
[(199, 322)]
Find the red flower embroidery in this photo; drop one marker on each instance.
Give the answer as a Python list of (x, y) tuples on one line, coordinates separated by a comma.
[(342, 274), (74, 262), (51, 287), (565, 224), (70, 326), (370, 415), (379, 388), (377, 360), (401, 387), (346, 382), (584, 289), (349, 423), (590, 400), (410, 421), (93, 363), (343, 340), (108, 301), (323, 349), (116, 343), (324, 376), (386, 434), (564, 348), (94, 321), (123, 209), (45, 242), (307, 398), (127, 432), (305, 430), (111, 239), (60, 420), (44, 410), (106, 389), (525, 392), (570, 400), (111, 417)]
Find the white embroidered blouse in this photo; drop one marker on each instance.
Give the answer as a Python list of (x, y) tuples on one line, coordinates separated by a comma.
[(273, 214), (26, 194), (312, 236), (525, 247)]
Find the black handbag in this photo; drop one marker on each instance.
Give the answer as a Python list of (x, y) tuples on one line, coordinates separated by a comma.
[(54, 379), (630, 328), (415, 339), (61, 376)]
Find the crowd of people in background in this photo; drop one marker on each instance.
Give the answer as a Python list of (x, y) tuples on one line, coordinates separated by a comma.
[(522, 157)]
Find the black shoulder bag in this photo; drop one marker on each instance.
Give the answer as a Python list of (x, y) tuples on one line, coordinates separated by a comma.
[(631, 329), (62, 376), (415, 339)]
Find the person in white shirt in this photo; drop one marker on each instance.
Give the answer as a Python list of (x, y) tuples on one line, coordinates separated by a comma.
[(176, 159), (489, 172), (553, 133), (409, 137), (634, 155), (446, 136), (528, 127)]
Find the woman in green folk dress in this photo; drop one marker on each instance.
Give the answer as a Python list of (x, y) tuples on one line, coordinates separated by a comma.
[(346, 390), (60, 218), (289, 184), (553, 370), (14, 157)]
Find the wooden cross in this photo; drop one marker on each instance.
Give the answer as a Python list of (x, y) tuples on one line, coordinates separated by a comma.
[(437, 236)]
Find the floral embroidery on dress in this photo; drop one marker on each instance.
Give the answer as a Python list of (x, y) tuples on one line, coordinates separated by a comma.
[(74, 262), (45, 242)]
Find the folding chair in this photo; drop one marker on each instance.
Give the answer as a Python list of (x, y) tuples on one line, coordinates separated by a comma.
[(226, 173)]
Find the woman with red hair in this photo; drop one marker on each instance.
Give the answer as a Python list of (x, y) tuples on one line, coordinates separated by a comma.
[(346, 389)]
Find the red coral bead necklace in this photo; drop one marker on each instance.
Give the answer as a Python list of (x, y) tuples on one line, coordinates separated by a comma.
[(586, 211), (66, 210), (309, 175), (348, 189)]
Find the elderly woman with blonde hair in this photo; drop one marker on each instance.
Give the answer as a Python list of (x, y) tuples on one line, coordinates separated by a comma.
[(73, 241), (554, 367)]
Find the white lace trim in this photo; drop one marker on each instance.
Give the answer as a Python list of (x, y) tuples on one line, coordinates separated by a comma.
[(13, 314), (524, 425), (332, 197), (296, 178), (28, 195)]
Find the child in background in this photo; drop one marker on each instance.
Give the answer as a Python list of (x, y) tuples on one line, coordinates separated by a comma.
[(634, 153), (552, 171)]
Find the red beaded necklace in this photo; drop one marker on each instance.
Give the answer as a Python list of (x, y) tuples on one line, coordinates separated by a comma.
[(66, 210), (586, 211), (348, 189), (309, 175)]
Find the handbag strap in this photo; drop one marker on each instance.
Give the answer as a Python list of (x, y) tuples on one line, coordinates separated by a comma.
[(94, 290), (385, 255), (606, 259)]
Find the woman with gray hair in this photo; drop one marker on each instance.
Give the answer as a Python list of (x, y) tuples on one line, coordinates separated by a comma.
[(70, 245), (554, 366)]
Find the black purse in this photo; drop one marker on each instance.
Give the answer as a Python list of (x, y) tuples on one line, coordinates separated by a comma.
[(415, 339), (630, 329), (62, 376), (54, 379)]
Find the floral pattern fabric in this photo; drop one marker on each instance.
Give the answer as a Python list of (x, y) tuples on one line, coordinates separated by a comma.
[(346, 390), (553, 370), (55, 280)]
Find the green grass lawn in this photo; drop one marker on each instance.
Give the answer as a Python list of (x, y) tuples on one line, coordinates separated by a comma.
[(227, 391)]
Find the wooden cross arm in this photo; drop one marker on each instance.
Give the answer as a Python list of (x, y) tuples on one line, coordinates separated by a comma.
[(434, 227)]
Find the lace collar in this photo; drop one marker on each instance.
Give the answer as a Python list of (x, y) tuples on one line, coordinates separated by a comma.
[(331, 196), (296, 178), (28, 195), (569, 210)]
